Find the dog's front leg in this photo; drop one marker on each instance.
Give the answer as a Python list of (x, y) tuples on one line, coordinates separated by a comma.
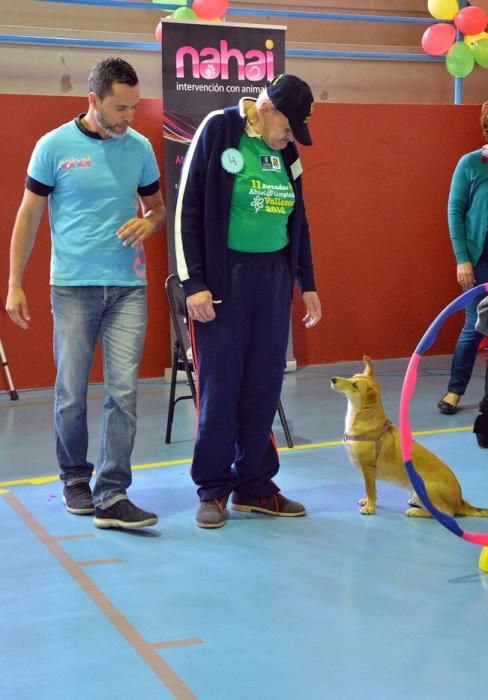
[(369, 503)]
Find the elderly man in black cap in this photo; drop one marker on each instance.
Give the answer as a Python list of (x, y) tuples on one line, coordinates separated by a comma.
[(242, 240)]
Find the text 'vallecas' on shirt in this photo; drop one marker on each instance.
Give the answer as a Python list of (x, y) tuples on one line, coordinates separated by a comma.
[(262, 199), (93, 185)]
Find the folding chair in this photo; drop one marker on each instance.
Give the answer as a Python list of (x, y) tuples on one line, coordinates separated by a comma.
[(182, 358), (13, 394)]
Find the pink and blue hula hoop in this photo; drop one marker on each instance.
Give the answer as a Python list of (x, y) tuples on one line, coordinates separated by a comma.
[(479, 538)]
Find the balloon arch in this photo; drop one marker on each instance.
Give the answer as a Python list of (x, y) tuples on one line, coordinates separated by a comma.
[(207, 10), (461, 35)]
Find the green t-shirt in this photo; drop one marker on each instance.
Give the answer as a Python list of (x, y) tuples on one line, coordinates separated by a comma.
[(262, 200)]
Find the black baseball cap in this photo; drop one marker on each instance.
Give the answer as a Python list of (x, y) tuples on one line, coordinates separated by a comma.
[(292, 97)]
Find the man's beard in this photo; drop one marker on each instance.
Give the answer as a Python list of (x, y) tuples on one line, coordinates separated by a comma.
[(108, 128)]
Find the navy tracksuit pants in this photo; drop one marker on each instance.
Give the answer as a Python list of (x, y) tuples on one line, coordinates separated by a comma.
[(240, 361)]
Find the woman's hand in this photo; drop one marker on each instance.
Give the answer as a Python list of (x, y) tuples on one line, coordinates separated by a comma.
[(465, 276)]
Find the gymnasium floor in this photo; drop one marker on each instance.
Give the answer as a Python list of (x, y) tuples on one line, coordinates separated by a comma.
[(334, 605)]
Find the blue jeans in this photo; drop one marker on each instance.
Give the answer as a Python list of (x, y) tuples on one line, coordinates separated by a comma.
[(118, 316), (467, 344)]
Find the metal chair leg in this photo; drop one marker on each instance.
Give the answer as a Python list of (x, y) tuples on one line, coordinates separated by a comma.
[(13, 394), (172, 392), (191, 382), (284, 423)]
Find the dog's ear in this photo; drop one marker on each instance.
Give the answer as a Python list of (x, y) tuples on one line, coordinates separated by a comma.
[(368, 367), (371, 396)]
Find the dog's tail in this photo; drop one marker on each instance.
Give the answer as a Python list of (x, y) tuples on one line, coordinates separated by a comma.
[(469, 510)]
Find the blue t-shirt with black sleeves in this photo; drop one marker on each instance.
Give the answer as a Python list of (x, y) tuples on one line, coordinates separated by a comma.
[(93, 185)]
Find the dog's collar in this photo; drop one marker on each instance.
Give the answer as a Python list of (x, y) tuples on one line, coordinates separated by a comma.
[(366, 438)]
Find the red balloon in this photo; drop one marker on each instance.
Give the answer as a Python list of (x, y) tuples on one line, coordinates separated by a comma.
[(438, 39), (210, 9), (158, 32), (471, 20)]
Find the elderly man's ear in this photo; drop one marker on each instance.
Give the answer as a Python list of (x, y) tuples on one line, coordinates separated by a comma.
[(265, 107)]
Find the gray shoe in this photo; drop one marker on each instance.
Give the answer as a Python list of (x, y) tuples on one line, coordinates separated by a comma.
[(77, 498), (124, 514), (211, 514), (274, 505)]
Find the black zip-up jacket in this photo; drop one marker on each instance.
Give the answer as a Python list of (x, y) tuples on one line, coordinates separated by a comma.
[(203, 209)]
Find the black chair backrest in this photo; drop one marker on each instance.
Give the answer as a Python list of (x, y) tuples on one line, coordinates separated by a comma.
[(177, 311)]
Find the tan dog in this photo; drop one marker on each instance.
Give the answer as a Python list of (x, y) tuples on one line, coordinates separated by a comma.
[(373, 444)]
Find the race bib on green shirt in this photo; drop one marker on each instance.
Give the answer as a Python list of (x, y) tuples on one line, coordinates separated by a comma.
[(262, 200)]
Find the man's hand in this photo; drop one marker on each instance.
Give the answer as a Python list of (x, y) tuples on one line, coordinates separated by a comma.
[(16, 306), (200, 307), (314, 310), (135, 231)]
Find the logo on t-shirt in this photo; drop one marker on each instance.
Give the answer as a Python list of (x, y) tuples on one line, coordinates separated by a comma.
[(139, 265), (69, 163), (270, 163)]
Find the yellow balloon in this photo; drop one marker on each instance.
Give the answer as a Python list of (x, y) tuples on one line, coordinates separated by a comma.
[(473, 38), (483, 563), (443, 9)]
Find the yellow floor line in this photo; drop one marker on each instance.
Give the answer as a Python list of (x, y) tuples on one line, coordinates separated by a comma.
[(48, 402), (443, 430), (37, 480)]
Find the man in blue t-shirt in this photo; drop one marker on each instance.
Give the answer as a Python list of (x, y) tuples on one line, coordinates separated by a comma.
[(94, 172)]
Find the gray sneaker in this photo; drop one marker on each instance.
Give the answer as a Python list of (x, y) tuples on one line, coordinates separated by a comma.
[(124, 514), (274, 505), (77, 498), (211, 514)]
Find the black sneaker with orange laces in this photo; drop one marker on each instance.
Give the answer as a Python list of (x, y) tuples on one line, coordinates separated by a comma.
[(211, 514), (274, 505)]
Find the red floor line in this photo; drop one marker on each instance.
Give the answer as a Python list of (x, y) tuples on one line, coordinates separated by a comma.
[(97, 562), (162, 670), (177, 643)]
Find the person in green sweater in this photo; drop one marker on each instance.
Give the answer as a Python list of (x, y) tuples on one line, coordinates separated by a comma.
[(468, 222)]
